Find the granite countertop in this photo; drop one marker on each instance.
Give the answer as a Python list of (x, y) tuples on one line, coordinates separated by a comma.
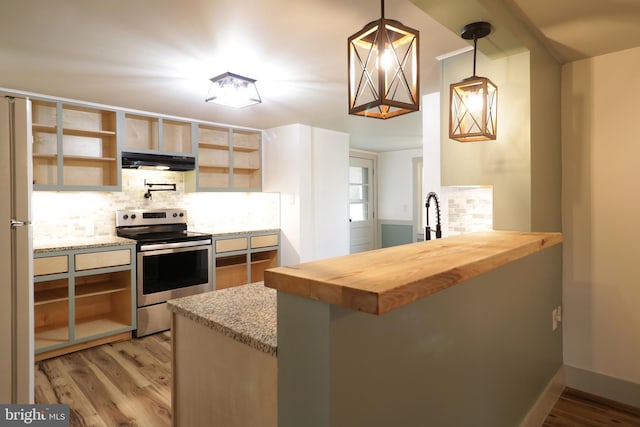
[(245, 313), (381, 280), (76, 242), (218, 234), (54, 245)]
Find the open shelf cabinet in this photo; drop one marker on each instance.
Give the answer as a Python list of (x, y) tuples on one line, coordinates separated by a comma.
[(44, 117), (74, 146), (242, 259), (76, 307), (228, 159), (246, 159), (157, 134)]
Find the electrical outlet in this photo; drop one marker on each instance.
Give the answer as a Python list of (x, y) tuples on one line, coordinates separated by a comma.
[(556, 315)]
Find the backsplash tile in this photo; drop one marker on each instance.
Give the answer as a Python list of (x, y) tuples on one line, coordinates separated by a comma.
[(83, 213), (468, 209)]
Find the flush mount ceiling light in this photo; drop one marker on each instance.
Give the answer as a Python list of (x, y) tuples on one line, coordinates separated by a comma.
[(384, 79), (233, 90), (473, 113)]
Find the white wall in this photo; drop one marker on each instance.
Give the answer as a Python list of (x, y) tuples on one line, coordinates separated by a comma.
[(600, 205), (330, 209), (431, 158), (431, 143), (284, 150), (309, 167), (395, 184)]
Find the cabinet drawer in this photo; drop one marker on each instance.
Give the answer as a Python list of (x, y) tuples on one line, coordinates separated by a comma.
[(264, 241), (229, 245), (50, 265), (103, 259)]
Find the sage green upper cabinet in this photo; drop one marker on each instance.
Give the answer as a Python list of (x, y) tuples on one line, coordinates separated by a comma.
[(157, 134), (228, 159), (79, 147), (75, 147)]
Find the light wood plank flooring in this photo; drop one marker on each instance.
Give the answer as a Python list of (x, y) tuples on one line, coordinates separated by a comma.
[(129, 384), (121, 384), (578, 409)]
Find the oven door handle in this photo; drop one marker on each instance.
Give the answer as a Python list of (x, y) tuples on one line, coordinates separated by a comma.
[(188, 244)]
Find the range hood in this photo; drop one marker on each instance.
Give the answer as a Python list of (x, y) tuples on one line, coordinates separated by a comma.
[(157, 161)]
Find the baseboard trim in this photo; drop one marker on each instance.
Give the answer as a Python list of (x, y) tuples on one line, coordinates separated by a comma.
[(602, 385), (545, 402)]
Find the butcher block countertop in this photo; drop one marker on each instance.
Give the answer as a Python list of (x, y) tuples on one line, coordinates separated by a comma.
[(385, 279)]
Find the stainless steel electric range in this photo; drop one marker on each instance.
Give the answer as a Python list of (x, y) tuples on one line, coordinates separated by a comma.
[(172, 262)]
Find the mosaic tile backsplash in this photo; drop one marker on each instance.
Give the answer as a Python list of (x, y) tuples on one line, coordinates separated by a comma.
[(67, 214)]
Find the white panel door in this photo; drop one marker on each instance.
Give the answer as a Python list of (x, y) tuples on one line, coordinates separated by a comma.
[(361, 206)]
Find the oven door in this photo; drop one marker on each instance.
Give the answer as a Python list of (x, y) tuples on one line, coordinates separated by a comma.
[(173, 270)]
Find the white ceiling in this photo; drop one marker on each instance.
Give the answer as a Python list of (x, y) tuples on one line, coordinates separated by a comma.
[(577, 29), (157, 55)]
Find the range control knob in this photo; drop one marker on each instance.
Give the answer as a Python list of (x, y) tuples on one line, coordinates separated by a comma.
[(175, 215), (125, 216), (181, 214), (133, 216)]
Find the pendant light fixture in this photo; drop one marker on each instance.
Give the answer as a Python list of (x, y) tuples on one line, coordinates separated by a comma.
[(233, 90), (384, 78), (473, 113)]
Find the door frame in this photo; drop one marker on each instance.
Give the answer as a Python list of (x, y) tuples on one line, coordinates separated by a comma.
[(369, 155)]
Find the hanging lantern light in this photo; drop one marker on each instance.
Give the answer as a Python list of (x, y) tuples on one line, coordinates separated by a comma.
[(384, 79), (473, 113)]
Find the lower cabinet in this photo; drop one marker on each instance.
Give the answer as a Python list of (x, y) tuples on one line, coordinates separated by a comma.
[(243, 259), (83, 298)]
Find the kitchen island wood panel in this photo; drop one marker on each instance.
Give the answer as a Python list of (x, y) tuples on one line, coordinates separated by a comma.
[(383, 280), (224, 358)]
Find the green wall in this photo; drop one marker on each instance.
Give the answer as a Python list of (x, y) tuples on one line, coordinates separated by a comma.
[(395, 234), (506, 162), (529, 133), (477, 354)]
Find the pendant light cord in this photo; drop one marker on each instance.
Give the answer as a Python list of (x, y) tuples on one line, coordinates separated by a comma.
[(382, 9), (475, 48)]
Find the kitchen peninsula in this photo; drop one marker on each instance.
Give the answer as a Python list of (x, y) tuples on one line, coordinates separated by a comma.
[(447, 332), (455, 331)]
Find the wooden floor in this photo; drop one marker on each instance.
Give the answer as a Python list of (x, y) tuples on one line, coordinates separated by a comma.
[(129, 384), (579, 409), (121, 384)]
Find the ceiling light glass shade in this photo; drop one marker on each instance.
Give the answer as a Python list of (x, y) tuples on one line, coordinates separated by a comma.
[(474, 110), (384, 79), (233, 90)]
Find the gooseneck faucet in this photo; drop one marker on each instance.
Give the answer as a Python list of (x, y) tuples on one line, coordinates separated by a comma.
[(438, 230)]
